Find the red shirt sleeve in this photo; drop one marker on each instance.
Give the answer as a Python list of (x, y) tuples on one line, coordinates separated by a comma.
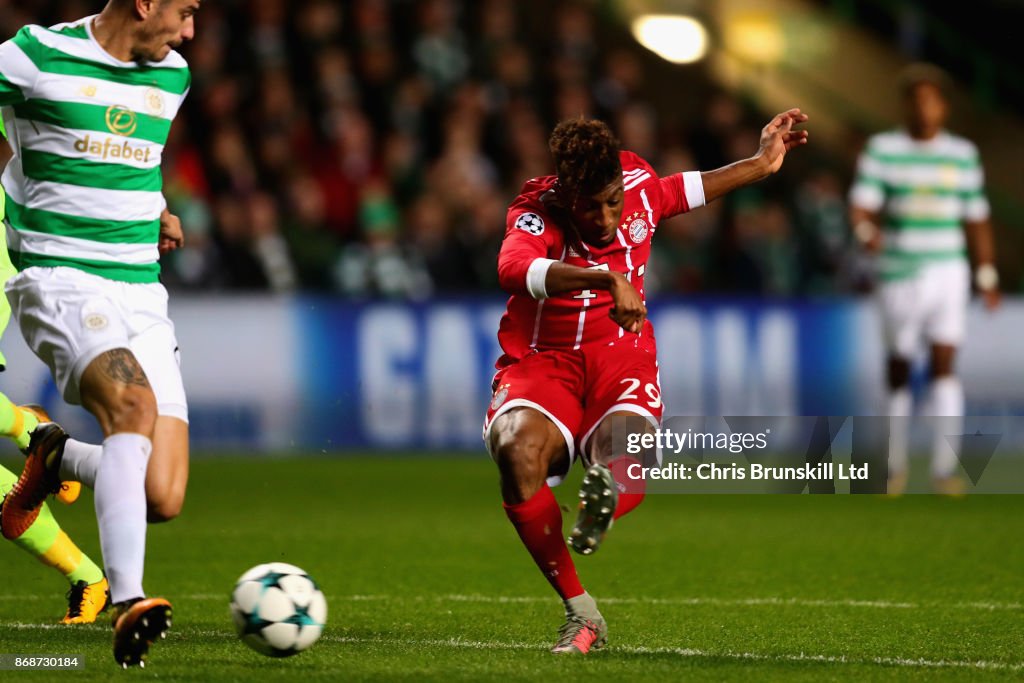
[(673, 195), (527, 238)]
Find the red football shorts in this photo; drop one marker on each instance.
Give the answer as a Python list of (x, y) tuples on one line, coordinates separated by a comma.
[(578, 389)]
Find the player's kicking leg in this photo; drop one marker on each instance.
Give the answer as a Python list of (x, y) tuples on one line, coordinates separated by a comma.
[(599, 496), (527, 447), (624, 398), (607, 491)]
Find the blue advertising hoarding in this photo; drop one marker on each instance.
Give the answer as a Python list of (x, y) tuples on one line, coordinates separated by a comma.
[(318, 374)]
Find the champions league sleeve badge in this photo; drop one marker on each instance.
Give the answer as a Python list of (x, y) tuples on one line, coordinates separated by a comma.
[(531, 223)]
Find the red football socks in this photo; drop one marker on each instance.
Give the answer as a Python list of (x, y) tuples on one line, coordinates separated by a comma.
[(631, 490), (539, 523)]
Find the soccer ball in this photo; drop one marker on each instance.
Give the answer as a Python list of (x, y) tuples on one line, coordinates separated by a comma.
[(278, 609)]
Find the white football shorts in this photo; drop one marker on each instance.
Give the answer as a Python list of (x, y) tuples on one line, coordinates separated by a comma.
[(930, 307), (69, 317)]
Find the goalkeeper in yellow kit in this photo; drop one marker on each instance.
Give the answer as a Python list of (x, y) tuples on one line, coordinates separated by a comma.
[(45, 539)]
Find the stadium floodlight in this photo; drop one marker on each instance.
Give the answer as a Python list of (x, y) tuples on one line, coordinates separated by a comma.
[(675, 38)]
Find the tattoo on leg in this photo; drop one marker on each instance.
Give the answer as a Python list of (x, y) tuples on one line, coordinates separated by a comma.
[(121, 366)]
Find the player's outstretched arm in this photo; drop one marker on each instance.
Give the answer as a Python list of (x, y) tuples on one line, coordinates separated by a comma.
[(777, 138)]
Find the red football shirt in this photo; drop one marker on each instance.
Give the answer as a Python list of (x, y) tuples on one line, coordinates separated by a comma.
[(574, 319)]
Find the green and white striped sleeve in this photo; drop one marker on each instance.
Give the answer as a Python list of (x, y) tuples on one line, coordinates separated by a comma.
[(868, 191), (976, 206), (18, 71)]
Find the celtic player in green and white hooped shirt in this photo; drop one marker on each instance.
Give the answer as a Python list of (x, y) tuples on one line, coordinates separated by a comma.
[(87, 130), (918, 201), (927, 189), (88, 106)]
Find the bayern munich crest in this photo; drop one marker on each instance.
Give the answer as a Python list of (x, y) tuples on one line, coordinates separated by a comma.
[(531, 223), (637, 227), (499, 396)]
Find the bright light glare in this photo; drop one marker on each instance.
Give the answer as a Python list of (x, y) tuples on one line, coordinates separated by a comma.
[(756, 37), (678, 39)]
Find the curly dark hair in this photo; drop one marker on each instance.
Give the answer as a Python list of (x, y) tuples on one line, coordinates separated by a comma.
[(586, 154)]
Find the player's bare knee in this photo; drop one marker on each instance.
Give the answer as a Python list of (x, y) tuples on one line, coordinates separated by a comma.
[(520, 453), (124, 409), (521, 446)]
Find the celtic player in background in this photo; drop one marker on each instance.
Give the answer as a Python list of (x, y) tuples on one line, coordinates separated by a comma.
[(88, 107), (44, 539), (917, 201)]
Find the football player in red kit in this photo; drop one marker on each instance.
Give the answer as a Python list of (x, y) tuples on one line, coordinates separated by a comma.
[(578, 348)]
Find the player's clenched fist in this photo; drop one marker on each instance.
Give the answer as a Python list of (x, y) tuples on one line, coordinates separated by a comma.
[(628, 308)]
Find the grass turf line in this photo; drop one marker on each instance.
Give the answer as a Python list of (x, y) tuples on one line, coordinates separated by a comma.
[(425, 578)]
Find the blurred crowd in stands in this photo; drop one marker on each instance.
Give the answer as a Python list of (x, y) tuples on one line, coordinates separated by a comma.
[(370, 148)]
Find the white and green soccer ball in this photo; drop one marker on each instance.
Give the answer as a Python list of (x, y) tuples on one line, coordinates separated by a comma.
[(278, 609)]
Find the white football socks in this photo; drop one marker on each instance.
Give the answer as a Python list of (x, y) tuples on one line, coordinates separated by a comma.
[(120, 486), (946, 402), (900, 405), (80, 462)]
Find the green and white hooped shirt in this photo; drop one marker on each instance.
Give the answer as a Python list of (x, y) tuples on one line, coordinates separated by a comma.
[(84, 188), (925, 190)]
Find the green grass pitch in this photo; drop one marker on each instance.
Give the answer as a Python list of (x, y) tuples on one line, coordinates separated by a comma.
[(426, 580)]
